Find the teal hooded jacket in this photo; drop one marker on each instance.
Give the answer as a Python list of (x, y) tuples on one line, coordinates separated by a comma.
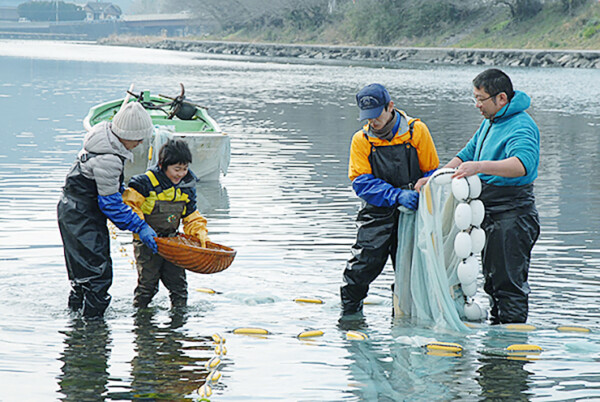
[(512, 132)]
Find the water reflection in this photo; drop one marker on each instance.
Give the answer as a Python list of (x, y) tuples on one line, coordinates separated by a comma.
[(85, 361), (212, 198), (402, 369), (288, 208), (163, 367), (503, 377)]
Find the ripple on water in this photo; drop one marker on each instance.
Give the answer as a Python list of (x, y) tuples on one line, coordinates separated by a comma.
[(288, 208)]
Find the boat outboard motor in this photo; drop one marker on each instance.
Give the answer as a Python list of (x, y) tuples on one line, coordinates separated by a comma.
[(185, 111)]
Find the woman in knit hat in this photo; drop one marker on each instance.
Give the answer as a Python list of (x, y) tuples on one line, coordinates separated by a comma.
[(92, 193)]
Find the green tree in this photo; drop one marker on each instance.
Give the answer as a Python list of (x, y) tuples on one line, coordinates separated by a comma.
[(50, 11)]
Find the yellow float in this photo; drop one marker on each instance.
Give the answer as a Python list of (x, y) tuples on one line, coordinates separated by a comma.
[(356, 336), (205, 290), (444, 347), (217, 338), (307, 300), (251, 331), (310, 334), (205, 391), (213, 362), (520, 327), (524, 348), (572, 328)]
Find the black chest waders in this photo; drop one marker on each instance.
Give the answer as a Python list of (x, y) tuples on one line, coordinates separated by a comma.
[(377, 227), (86, 243), (512, 227)]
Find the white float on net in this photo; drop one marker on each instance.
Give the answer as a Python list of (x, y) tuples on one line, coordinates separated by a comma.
[(477, 240), (477, 212), (468, 269), (462, 245), (463, 216), (468, 216)]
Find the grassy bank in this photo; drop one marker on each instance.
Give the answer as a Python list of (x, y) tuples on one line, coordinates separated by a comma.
[(552, 28), (429, 24)]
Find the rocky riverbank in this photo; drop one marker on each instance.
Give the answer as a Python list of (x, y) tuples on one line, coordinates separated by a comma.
[(491, 57)]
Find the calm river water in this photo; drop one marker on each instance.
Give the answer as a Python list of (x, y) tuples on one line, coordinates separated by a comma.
[(287, 207)]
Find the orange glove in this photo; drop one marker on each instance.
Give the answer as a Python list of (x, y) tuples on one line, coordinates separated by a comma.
[(195, 225)]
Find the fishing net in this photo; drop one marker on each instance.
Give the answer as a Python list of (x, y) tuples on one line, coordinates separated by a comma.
[(427, 285)]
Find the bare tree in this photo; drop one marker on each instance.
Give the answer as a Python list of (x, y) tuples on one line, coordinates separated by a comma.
[(231, 13), (331, 6), (522, 9), (570, 5)]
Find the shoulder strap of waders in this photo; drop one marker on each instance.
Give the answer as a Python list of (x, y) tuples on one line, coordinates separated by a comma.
[(87, 156), (154, 181)]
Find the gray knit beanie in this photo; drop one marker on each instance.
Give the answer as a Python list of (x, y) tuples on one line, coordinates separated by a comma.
[(132, 122)]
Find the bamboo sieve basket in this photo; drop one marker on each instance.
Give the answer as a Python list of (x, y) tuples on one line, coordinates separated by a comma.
[(185, 251)]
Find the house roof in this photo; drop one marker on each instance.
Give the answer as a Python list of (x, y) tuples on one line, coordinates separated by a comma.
[(98, 7)]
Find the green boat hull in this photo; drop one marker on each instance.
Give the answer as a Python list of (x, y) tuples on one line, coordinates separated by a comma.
[(209, 145)]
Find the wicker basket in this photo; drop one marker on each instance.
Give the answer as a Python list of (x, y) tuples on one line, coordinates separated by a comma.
[(186, 252)]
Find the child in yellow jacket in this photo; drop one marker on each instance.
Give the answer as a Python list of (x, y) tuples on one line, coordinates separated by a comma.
[(164, 197)]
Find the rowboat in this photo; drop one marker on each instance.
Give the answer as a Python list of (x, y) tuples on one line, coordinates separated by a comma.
[(177, 118)]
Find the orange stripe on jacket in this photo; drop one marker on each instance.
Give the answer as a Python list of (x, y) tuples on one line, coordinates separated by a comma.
[(421, 140)]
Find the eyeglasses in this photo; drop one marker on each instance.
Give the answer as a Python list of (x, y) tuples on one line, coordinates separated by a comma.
[(477, 101)]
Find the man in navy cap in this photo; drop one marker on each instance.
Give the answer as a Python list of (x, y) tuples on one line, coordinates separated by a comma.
[(387, 157)]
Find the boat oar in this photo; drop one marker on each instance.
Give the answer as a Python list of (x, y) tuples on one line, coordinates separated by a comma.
[(126, 100)]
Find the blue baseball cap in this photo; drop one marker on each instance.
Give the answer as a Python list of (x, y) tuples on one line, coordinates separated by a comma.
[(371, 101)]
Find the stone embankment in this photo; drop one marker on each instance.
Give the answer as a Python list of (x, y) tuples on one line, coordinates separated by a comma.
[(497, 57)]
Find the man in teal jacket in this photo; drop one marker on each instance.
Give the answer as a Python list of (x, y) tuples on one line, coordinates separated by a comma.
[(505, 152)]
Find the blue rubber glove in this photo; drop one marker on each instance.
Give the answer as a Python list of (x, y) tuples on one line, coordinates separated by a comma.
[(125, 219), (409, 199), (147, 235), (120, 214), (376, 191)]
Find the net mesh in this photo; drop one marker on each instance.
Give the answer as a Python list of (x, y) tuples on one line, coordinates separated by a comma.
[(426, 283)]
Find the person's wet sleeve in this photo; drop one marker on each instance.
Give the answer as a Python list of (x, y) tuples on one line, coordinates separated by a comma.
[(380, 193), (125, 219)]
